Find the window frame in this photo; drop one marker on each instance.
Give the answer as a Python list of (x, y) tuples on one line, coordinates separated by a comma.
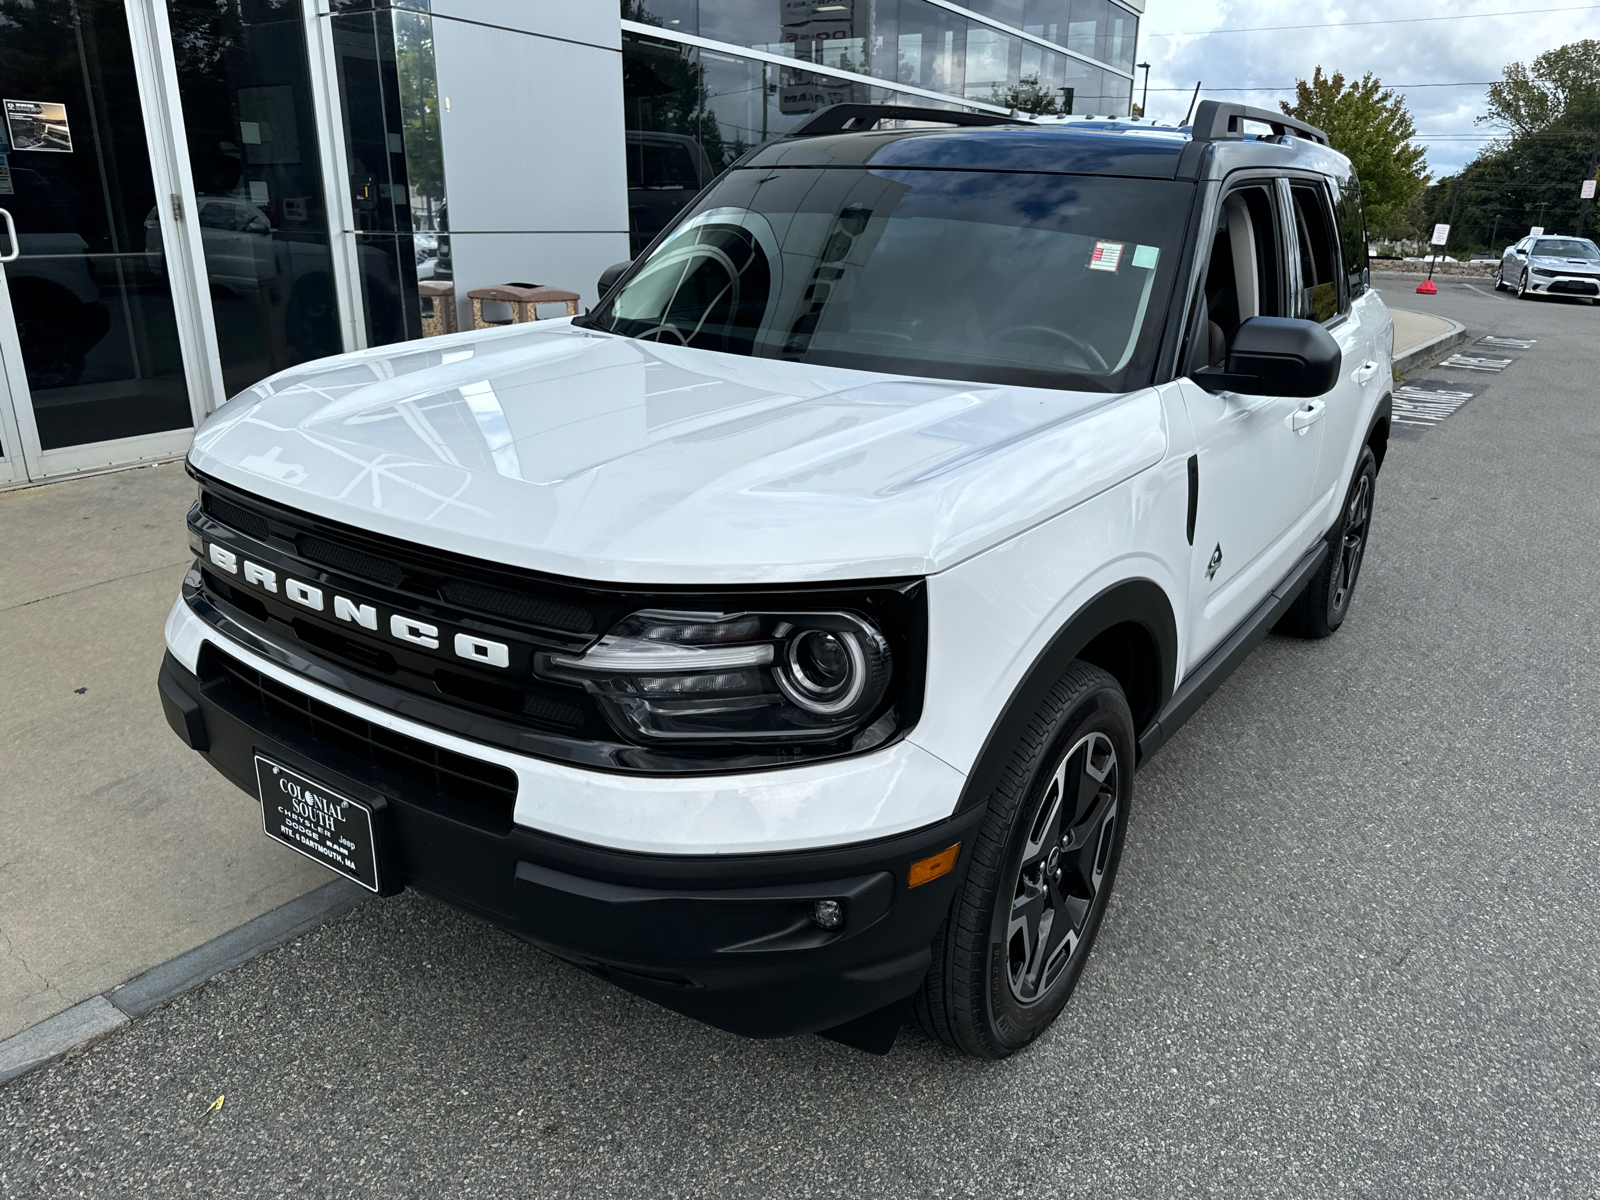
[(1230, 186), (1319, 185)]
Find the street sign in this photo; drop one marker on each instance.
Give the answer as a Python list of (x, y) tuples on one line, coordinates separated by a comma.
[(1587, 191), (1441, 235), (1536, 231)]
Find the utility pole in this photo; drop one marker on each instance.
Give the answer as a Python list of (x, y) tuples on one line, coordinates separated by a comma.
[(1494, 229), (1455, 195), (1594, 161), (1144, 102)]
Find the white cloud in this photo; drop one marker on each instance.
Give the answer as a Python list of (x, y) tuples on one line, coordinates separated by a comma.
[(1459, 48)]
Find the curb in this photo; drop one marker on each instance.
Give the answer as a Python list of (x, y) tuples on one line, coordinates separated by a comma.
[(1432, 348), (97, 1016)]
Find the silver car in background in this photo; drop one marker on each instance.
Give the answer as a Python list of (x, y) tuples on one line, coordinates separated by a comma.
[(1559, 266)]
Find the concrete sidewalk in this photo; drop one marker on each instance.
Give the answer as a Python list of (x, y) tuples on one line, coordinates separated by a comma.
[(119, 847)]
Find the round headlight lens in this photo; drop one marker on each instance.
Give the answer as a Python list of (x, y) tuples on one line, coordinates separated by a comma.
[(827, 670)]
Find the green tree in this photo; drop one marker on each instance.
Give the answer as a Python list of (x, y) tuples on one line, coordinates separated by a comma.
[(1550, 113), (1372, 128), (1560, 90), (1026, 95)]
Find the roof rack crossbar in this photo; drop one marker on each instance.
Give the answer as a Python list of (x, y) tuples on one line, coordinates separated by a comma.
[(854, 118), (1217, 120)]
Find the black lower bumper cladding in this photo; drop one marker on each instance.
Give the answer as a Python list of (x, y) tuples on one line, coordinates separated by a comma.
[(726, 939)]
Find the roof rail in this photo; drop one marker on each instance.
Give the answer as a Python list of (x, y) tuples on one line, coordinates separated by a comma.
[(1216, 121), (855, 118)]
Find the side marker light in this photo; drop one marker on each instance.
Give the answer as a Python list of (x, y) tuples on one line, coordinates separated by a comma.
[(926, 870)]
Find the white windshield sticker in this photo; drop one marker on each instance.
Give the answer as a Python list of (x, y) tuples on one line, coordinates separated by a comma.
[(1146, 256), (1107, 256)]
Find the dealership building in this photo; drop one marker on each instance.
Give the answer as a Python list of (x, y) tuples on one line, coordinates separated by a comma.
[(204, 192)]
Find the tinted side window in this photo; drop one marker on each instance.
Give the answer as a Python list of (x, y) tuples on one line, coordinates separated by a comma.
[(1352, 225), (1319, 269)]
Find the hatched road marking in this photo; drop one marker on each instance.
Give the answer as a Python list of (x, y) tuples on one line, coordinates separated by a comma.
[(1467, 362), (1424, 406), (1505, 343)]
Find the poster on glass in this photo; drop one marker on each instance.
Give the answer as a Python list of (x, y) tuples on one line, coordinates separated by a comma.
[(38, 125)]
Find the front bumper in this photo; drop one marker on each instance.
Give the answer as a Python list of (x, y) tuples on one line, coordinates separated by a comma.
[(724, 938), (1563, 285)]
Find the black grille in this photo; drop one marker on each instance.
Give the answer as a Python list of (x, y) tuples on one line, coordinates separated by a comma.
[(351, 562), (231, 514), (519, 607), (483, 785)]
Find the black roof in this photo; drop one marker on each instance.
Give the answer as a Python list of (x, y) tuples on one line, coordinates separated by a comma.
[(1104, 147)]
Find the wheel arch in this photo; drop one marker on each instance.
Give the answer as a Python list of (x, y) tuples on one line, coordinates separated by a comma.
[(1128, 630), (1378, 430)]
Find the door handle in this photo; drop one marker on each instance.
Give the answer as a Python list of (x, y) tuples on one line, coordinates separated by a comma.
[(1309, 415), (11, 232), (1364, 372)]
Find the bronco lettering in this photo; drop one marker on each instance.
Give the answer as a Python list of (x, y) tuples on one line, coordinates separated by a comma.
[(401, 627)]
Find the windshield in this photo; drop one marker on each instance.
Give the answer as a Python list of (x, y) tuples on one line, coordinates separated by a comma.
[(1048, 280), (1566, 248)]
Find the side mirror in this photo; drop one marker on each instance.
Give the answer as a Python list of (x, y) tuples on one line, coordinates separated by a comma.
[(1276, 356), (611, 274)]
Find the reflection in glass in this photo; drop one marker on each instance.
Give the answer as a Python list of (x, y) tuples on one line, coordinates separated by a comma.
[(690, 113), (93, 309), (394, 152), (243, 79), (925, 45)]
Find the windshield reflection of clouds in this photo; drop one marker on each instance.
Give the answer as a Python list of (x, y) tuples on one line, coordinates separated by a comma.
[(492, 424)]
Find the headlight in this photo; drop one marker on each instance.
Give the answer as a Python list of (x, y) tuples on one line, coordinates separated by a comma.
[(666, 676), (1542, 271)]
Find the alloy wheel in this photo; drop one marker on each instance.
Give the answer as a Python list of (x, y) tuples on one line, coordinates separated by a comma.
[(1063, 868), (1357, 517)]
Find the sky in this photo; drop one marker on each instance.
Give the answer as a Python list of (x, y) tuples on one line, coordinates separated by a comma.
[(1458, 49)]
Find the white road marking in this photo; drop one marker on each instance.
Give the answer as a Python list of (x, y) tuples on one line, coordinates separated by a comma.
[(1505, 343), (1466, 362), (1426, 406)]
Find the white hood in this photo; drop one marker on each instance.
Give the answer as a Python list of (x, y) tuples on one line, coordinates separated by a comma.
[(603, 458)]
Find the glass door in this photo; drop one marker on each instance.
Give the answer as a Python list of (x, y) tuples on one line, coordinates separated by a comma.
[(250, 126), (90, 352)]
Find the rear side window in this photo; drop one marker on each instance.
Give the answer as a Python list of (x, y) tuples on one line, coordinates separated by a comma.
[(1352, 225), (1319, 261)]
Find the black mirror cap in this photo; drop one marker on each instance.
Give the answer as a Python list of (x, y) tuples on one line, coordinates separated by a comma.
[(1277, 356), (611, 274)]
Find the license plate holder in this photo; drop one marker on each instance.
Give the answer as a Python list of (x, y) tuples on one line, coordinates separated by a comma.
[(313, 819)]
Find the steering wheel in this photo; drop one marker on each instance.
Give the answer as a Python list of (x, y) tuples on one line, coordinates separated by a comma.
[(1087, 354)]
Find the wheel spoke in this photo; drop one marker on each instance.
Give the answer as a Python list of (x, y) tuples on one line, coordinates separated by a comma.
[(1063, 862)]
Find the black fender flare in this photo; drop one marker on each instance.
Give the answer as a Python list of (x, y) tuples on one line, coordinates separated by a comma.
[(1140, 601), (1383, 415)]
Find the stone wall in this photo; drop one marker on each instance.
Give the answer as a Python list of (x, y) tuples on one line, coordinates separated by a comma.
[(1397, 267)]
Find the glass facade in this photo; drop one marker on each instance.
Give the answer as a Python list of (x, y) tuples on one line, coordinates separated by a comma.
[(245, 86), (692, 110), (927, 46), (394, 157)]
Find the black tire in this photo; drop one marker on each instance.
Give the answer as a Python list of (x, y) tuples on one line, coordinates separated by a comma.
[(978, 997), (1325, 601), (1500, 278), (1522, 286)]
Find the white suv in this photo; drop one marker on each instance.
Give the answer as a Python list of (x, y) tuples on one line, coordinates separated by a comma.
[(780, 639)]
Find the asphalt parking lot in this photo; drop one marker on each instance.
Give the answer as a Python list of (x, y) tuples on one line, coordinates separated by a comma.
[(1351, 951)]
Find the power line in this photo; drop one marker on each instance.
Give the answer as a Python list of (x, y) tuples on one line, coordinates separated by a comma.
[(1525, 12), (1385, 86)]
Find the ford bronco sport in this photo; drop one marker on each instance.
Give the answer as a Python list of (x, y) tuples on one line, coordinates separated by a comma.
[(779, 640)]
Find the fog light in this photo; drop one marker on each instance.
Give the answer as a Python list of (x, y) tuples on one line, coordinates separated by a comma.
[(827, 914)]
